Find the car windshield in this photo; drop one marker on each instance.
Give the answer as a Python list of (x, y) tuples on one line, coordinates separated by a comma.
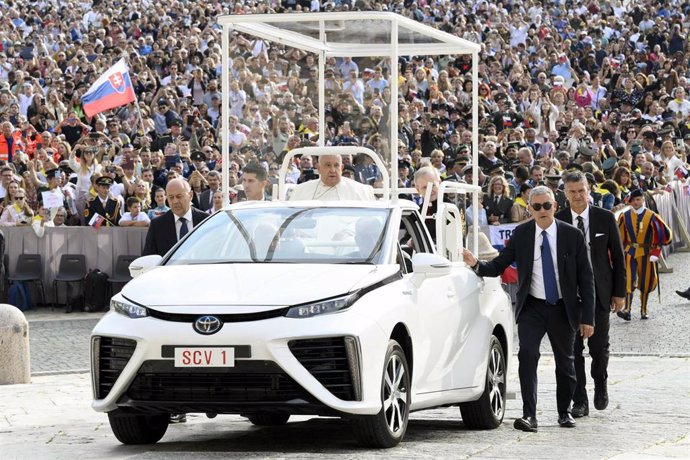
[(287, 235)]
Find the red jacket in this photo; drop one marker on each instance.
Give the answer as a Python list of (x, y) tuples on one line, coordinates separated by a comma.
[(5, 153)]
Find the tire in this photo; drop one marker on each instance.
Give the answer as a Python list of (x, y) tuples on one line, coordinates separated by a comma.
[(138, 429), (268, 419), (387, 428), (487, 412)]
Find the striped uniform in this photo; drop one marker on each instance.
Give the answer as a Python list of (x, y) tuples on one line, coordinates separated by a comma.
[(642, 235)]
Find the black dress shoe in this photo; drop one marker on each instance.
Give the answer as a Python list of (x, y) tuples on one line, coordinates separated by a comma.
[(624, 314), (684, 294), (601, 396), (526, 424), (580, 410), (644, 317), (566, 420)]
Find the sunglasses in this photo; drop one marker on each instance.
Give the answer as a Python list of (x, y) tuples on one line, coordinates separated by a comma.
[(537, 206), (18, 197)]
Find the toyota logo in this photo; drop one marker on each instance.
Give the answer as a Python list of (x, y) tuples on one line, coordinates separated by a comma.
[(207, 325)]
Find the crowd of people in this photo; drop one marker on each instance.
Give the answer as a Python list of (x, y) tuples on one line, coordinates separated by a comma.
[(563, 86)]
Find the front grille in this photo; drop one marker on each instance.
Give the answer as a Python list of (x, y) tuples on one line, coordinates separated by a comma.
[(225, 318), (252, 381), (326, 359), (113, 355)]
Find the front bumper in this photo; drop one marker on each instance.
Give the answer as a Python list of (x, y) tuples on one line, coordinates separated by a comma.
[(269, 376)]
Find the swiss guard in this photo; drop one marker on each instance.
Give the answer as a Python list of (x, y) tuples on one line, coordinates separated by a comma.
[(103, 204), (643, 233)]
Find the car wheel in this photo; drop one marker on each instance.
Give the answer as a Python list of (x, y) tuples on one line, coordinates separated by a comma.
[(387, 428), (268, 419), (138, 428), (487, 412)]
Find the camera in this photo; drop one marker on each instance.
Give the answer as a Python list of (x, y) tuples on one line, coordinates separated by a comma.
[(309, 174)]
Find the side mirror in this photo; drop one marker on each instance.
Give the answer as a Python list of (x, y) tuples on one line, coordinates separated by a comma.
[(426, 265), (143, 264)]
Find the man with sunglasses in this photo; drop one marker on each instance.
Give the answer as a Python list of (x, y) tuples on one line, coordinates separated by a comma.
[(555, 297)]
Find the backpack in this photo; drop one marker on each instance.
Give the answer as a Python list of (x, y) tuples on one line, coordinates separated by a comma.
[(18, 295), (96, 290)]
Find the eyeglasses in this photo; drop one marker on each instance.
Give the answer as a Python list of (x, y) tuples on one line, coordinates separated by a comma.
[(537, 206), (60, 215)]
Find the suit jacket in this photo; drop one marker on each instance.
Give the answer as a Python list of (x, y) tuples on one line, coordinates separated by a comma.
[(574, 270), (606, 249), (205, 200), (502, 209), (162, 235)]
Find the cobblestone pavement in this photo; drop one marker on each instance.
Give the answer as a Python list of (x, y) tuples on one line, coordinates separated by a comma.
[(648, 417), (60, 342)]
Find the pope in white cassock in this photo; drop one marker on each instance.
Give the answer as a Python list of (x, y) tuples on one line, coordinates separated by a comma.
[(331, 185)]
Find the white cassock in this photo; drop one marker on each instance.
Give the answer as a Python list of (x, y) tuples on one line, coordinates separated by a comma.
[(346, 189)]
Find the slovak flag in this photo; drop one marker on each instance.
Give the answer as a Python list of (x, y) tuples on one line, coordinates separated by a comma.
[(112, 89)]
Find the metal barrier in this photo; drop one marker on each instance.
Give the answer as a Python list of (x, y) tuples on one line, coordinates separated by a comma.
[(101, 247)]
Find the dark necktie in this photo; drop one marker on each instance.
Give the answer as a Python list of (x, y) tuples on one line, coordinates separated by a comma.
[(581, 226), (184, 229), (548, 270)]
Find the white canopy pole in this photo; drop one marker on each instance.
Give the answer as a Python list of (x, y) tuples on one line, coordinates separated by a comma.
[(393, 110), (475, 151), (225, 113), (322, 87)]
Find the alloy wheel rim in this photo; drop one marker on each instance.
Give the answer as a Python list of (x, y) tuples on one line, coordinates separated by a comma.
[(395, 395), (497, 379)]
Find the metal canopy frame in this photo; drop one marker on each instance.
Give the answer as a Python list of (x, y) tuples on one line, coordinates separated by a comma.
[(273, 28)]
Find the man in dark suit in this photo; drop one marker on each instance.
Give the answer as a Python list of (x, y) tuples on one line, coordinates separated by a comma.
[(608, 264), (555, 297), (206, 197), (166, 230)]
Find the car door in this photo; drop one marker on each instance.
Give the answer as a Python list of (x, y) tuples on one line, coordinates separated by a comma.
[(437, 316)]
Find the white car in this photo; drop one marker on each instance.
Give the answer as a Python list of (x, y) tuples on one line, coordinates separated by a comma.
[(269, 309)]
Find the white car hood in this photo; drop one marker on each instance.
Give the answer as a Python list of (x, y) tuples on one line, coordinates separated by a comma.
[(248, 287)]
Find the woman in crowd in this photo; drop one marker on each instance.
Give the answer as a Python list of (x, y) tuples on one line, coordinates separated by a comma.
[(16, 212), (85, 168), (497, 202), (623, 179)]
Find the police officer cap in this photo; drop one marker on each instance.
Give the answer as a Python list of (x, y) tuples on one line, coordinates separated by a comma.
[(590, 178), (496, 168), (404, 164), (586, 150), (53, 173), (553, 177), (176, 122), (574, 166), (609, 164), (197, 156), (461, 160), (104, 180), (467, 169), (634, 193)]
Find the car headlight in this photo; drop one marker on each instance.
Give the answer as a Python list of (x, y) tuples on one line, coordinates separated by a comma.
[(322, 307), (128, 309)]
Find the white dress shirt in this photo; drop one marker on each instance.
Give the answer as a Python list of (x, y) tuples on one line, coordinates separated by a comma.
[(585, 221), (537, 287), (178, 224)]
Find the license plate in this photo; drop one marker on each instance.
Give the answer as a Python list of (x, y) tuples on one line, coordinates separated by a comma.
[(204, 357)]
